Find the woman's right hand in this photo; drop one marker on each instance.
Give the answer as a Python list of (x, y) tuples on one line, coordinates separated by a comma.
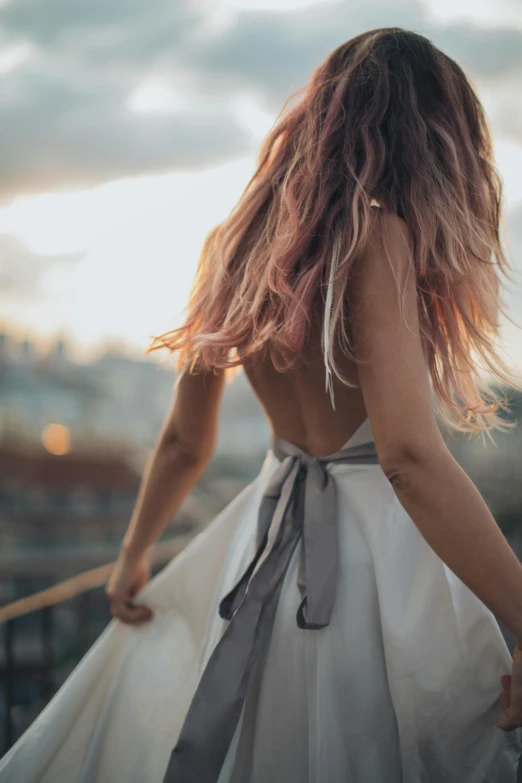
[(511, 696), (127, 578)]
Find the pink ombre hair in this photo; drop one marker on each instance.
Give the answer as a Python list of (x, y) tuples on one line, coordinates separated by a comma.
[(389, 117)]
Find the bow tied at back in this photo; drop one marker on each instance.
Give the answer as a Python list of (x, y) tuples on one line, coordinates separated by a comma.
[(298, 504)]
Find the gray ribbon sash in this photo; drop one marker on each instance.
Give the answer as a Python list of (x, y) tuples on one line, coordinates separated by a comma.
[(298, 503)]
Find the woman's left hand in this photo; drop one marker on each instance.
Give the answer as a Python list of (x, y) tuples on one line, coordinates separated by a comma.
[(126, 580)]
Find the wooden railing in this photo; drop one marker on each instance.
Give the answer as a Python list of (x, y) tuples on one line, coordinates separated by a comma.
[(81, 583), (43, 603)]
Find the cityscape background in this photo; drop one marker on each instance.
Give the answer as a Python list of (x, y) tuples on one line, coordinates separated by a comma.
[(129, 131)]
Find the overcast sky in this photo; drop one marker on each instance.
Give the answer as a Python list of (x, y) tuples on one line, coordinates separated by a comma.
[(129, 128)]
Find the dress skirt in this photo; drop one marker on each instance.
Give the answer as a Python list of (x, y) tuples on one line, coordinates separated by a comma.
[(401, 686)]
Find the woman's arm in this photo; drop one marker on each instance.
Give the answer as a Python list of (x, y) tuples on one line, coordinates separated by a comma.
[(183, 449), (439, 497)]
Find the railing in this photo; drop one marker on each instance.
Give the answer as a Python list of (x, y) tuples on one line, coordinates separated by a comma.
[(44, 602)]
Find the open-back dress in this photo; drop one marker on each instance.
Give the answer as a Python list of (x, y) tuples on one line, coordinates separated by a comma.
[(308, 635)]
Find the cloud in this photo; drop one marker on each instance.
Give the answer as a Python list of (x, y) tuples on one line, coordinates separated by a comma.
[(23, 273), (55, 135), (514, 235), (272, 54), (56, 23), (489, 54), (65, 119)]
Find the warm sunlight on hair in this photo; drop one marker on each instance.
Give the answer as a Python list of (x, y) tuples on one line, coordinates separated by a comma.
[(390, 118)]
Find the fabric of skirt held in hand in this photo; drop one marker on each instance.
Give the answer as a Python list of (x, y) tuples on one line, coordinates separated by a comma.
[(389, 673)]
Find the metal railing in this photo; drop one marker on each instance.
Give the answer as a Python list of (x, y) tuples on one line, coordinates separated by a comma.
[(44, 603)]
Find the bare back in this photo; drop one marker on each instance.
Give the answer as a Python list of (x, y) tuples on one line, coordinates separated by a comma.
[(391, 376), (297, 405)]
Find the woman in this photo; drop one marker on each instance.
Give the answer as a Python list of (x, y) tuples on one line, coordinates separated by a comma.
[(336, 621)]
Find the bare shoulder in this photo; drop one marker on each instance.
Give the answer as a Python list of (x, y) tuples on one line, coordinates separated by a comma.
[(393, 371), (394, 227), (391, 234), (385, 263)]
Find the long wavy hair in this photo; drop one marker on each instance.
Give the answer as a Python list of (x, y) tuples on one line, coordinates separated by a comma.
[(386, 117)]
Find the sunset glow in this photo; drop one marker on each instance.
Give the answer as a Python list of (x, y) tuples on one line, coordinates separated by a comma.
[(55, 438), (116, 259)]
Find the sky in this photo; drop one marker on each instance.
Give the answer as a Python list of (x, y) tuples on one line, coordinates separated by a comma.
[(129, 129)]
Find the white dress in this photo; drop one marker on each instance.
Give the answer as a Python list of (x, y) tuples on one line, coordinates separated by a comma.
[(401, 685)]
